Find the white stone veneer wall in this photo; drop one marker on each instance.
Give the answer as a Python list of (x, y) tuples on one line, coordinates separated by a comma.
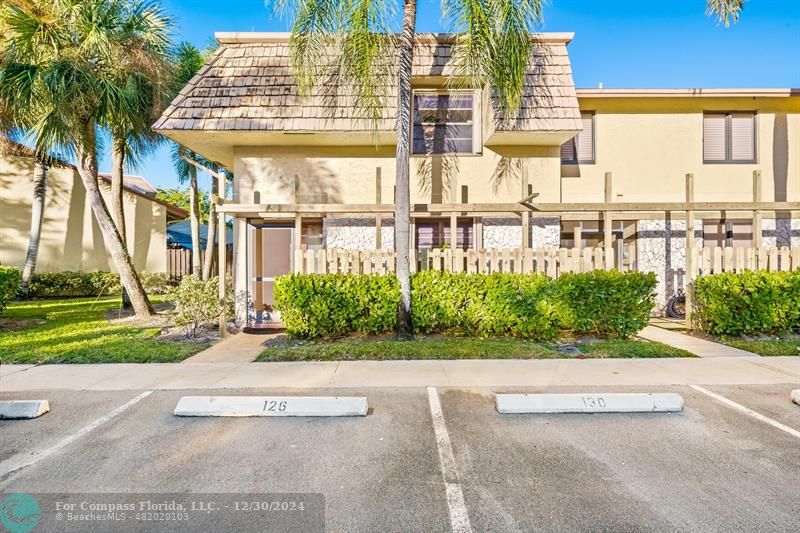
[(356, 233), (662, 249), (506, 232), (781, 232)]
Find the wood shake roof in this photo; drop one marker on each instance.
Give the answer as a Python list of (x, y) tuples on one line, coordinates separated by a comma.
[(247, 85)]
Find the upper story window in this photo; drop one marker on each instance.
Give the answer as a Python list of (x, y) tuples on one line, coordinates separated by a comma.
[(729, 137), (443, 123), (580, 149)]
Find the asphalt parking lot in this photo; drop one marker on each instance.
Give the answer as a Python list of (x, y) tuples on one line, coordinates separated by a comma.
[(711, 467)]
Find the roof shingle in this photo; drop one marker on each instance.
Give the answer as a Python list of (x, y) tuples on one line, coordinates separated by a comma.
[(247, 85)]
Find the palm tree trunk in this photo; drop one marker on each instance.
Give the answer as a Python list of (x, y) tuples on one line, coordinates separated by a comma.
[(86, 152), (194, 220), (37, 216), (212, 228), (117, 173), (117, 179), (402, 208)]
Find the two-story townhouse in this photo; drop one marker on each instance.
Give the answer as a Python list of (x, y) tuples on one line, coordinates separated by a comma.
[(310, 173)]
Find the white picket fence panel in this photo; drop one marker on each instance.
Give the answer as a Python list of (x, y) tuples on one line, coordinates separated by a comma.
[(715, 260), (551, 262)]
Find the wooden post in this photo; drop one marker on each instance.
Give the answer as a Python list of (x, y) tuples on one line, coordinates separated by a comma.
[(222, 256), (757, 230), (298, 232), (378, 219), (577, 236), (608, 223), (298, 219), (526, 217), (453, 231), (691, 253)]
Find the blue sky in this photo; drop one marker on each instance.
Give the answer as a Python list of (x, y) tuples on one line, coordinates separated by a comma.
[(619, 43)]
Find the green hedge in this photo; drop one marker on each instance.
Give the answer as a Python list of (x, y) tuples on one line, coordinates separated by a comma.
[(74, 284), (484, 305), (609, 304), (606, 303), (9, 285), (334, 305), (749, 302)]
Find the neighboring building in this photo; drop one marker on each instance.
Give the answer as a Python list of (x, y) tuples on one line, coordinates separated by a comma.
[(71, 239), (244, 110)]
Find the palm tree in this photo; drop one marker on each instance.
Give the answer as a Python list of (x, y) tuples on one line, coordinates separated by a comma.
[(187, 171), (145, 82), (208, 260), (492, 49), (726, 11), (11, 123), (63, 65), (187, 60)]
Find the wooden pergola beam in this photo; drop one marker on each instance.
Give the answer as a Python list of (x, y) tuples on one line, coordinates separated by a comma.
[(510, 208)]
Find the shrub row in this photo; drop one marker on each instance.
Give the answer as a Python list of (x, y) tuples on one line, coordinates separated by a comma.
[(608, 304), (749, 302), (73, 284), (9, 285)]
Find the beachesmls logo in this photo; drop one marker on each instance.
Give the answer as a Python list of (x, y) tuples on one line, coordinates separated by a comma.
[(19, 512)]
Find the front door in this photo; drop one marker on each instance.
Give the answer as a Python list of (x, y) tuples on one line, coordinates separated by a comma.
[(270, 256)]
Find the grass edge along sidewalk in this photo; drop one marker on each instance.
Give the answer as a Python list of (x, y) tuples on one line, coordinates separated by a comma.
[(354, 349)]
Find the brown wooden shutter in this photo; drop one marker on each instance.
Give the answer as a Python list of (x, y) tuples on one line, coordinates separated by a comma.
[(585, 139), (743, 139), (714, 137)]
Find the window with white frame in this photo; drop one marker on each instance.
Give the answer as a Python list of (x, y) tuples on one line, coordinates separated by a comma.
[(580, 149), (443, 123), (729, 137)]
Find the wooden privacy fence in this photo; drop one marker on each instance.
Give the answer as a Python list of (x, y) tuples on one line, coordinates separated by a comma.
[(179, 262), (551, 262), (715, 260)]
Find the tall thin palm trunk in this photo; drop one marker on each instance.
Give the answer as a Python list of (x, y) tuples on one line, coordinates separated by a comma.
[(37, 217), (212, 228), (402, 209), (117, 176), (86, 150), (194, 220), (117, 208)]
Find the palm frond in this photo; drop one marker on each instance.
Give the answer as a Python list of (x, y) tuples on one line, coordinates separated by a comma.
[(366, 65), (313, 41), (495, 45), (726, 11)]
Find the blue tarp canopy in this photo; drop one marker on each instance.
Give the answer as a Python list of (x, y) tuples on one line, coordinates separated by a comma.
[(179, 234)]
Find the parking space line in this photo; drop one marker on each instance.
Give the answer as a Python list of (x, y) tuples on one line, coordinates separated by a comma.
[(741, 408), (459, 519), (15, 463)]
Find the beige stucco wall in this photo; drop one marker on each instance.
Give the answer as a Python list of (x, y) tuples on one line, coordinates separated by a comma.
[(649, 144), (348, 174), (71, 238)]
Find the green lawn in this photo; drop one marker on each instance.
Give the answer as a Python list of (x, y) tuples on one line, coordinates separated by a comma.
[(77, 331), (630, 348), (455, 348), (767, 347)]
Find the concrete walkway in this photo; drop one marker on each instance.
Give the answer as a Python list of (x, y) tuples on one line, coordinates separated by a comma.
[(239, 348), (695, 345), (536, 374)]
